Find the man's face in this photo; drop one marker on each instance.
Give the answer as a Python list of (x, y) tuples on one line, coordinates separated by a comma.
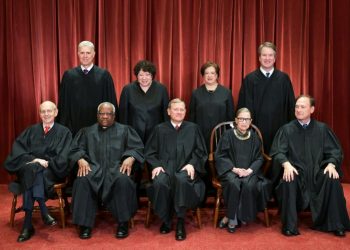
[(86, 55), (303, 109), (267, 58), (105, 116), (48, 112), (177, 112)]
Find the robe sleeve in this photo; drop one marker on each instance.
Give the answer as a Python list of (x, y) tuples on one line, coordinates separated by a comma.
[(257, 158), (245, 97), (123, 106), (332, 150), (290, 100), (193, 104), (152, 149), (134, 146), (63, 116), (223, 161), (111, 96), (79, 148), (165, 102), (199, 153), (230, 109)]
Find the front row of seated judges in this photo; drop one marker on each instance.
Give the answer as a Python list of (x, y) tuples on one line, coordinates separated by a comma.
[(307, 159)]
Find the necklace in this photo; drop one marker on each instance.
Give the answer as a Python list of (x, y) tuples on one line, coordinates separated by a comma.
[(239, 135)]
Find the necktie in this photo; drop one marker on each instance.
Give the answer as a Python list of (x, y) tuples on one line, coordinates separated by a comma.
[(177, 127), (46, 130), (85, 71), (304, 126), (267, 74)]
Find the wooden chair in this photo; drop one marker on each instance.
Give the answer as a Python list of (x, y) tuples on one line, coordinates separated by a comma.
[(61, 208), (216, 134)]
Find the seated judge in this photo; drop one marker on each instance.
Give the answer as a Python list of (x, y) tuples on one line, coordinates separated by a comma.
[(176, 154), (104, 154), (39, 159), (238, 161), (309, 155)]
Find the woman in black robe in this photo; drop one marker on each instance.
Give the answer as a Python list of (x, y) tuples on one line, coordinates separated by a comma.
[(238, 160)]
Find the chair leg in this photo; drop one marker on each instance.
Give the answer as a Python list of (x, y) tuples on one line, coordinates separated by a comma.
[(267, 219), (131, 223), (217, 205), (199, 219), (148, 215), (61, 204), (13, 210)]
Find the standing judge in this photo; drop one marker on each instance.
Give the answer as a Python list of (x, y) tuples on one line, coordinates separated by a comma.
[(104, 154), (176, 154), (82, 89), (310, 156), (268, 93), (39, 158)]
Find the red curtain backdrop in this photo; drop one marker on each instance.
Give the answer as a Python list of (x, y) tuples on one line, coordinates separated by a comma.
[(38, 42)]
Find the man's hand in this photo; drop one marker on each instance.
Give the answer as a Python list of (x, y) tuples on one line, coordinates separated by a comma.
[(332, 172), (42, 162), (289, 171), (157, 171), (84, 168), (126, 166), (242, 172), (190, 170)]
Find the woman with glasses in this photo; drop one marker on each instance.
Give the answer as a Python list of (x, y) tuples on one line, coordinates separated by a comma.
[(238, 161)]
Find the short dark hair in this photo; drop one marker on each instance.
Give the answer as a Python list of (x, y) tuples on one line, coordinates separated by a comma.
[(210, 64), (146, 66), (311, 99)]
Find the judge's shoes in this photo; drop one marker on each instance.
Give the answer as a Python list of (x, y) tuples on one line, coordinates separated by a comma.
[(122, 230), (85, 232), (339, 233), (26, 234), (49, 220), (164, 228), (223, 222), (288, 232), (180, 230)]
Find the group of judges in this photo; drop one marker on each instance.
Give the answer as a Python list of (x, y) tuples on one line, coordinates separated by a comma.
[(148, 130)]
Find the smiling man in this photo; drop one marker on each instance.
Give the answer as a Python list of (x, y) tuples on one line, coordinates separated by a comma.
[(176, 154), (82, 89), (268, 93), (309, 155), (103, 155), (39, 159)]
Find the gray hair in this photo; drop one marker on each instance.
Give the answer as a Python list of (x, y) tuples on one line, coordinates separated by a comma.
[(107, 104), (175, 100), (86, 44)]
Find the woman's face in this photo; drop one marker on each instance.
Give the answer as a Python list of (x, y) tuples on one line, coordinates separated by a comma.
[(210, 76), (243, 121), (144, 78)]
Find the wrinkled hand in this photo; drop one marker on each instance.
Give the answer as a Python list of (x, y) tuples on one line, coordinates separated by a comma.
[(42, 162), (84, 168), (126, 166), (242, 172), (190, 170), (289, 171), (332, 172), (157, 171)]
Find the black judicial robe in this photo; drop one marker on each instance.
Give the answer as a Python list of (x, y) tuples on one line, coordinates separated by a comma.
[(309, 151), (80, 95), (143, 111), (271, 101), (105, 150), (173, 149), (33, 143), (207, 109), (233, 152)]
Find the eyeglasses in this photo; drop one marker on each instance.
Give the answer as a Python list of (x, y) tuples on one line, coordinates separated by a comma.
[(107, 114), (241, 119)]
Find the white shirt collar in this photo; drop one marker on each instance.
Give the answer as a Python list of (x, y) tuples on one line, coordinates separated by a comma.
[(174, 125), (88, 68), (264, 71)]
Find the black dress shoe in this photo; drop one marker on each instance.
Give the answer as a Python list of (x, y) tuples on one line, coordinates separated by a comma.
[(231, 229), (122, 230), (49, 220), (164, 228), (288, 232), (223, 223), (85, 232), (180, 230), (26, 234), (339, 233)]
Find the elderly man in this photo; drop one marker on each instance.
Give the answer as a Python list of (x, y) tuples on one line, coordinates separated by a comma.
[(39, 159), (268, 93), (310, 155), (104, 154), (82, 89), (176, 153)]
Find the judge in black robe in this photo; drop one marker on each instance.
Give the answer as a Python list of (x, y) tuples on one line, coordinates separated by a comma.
[(39, 160), (270, 99), (176, 154), (80, 93), (238, 161), (311, 158), (105, 153)]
